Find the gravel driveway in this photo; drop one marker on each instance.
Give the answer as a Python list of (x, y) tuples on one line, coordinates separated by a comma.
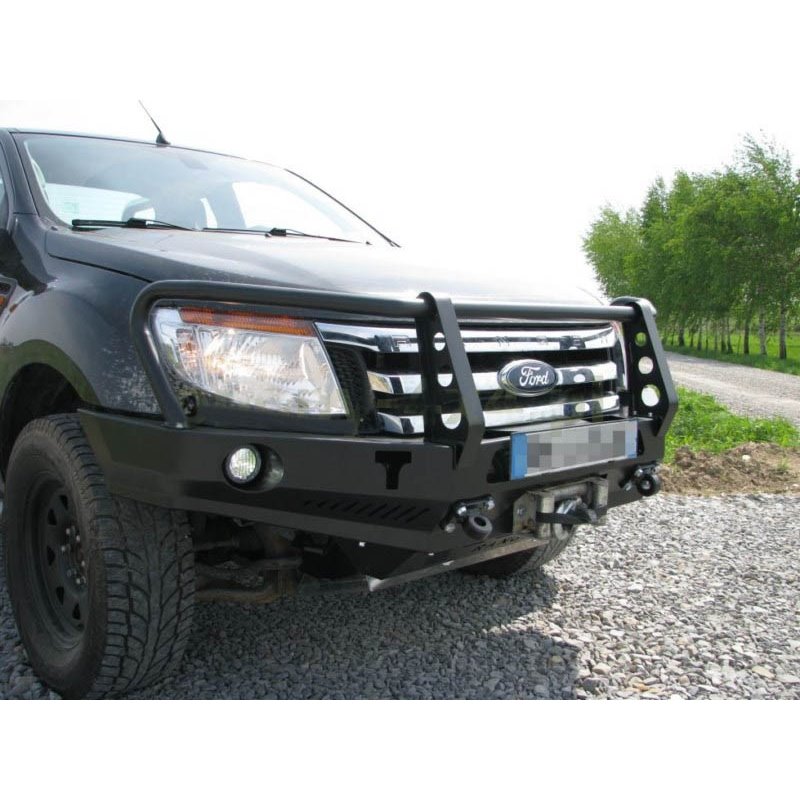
[(745, 390), (675, 597)]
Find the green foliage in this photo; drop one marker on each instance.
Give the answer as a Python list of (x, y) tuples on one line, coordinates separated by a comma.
[(713, 252), (615, 249), (703, 424)]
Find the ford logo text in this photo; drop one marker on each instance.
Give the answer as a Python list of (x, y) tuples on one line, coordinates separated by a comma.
[(527, 377)]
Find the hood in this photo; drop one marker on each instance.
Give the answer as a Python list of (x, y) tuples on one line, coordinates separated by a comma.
[(153, 255)]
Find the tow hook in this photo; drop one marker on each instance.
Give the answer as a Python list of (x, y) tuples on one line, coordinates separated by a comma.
[(646, 481), (471, 514)]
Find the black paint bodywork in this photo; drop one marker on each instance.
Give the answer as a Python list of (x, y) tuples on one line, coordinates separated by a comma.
[(80, 306)]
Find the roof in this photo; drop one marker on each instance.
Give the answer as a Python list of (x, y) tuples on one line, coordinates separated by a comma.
[(78, 135)]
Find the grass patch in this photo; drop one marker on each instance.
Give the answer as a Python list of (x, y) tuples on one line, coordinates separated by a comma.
[(790, 365), (792, 344), (703, 424), (770, 361)]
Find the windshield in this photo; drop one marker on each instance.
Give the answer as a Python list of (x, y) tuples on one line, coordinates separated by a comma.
[(82, 178)]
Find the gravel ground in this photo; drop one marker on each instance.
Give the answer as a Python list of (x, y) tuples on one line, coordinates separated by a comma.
[(674, 597), (745, 390)]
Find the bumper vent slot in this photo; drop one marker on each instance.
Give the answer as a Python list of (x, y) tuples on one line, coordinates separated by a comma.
[(362, 510)]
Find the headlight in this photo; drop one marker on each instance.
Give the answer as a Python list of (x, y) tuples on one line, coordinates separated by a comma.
[(254, 359)]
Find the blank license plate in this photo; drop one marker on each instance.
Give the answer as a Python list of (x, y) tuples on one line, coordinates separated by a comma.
[(565, 448)]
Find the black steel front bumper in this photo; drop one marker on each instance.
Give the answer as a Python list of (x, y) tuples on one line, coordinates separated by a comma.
[(331, 485), (340, 484)]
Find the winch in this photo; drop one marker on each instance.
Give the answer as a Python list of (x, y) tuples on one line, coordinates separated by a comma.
[(548, 511)]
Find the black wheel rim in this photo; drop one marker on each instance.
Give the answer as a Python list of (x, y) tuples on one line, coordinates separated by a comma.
[(59, 562)]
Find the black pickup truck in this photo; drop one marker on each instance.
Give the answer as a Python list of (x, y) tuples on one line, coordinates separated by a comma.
[(219, 383)]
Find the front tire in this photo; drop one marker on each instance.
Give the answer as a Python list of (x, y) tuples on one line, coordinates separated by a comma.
[(102, 587)]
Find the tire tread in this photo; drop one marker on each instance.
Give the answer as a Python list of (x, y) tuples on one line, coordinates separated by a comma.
[(148, 571)]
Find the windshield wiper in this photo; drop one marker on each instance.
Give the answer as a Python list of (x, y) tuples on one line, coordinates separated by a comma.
[(133, 222), (138, 222), (253, 231), (293, 232), (281, 232)]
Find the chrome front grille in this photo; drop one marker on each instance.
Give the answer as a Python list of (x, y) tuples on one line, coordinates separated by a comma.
[(386, 383), (587, 359)]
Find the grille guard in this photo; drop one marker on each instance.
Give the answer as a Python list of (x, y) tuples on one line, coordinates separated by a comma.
[(433, 316)]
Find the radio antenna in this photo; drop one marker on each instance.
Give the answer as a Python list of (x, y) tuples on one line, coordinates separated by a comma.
[(160, 139)]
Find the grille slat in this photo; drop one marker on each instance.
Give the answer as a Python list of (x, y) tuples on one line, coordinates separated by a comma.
[(510, 417), (588, 361), (511, 340), (411, 383)]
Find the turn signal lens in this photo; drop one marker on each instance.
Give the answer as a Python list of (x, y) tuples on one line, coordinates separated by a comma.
[(247, 321)]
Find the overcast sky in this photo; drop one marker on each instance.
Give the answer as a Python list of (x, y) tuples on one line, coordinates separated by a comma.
[(480, 135)]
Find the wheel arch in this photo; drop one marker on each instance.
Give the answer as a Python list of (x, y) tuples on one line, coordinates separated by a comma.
[(49, 383)]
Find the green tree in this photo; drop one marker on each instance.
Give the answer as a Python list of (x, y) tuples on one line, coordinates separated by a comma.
[(710, 250), (614, 247), (772, 220)]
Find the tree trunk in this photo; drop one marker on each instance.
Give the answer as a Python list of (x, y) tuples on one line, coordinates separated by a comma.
[(746, 337), (782, 334), (681, 337), (762, 335)]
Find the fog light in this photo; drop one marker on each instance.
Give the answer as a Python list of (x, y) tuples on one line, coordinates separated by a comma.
[(243, 465)]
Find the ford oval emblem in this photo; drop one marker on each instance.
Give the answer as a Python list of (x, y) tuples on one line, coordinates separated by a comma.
[(527, 377)]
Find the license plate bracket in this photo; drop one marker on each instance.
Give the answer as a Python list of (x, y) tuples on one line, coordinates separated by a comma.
[(563, 448)]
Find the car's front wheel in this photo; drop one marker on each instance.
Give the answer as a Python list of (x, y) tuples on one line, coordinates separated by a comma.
[(102, 587)]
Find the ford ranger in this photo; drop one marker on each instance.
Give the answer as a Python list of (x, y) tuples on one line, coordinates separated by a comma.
[(219, 383)]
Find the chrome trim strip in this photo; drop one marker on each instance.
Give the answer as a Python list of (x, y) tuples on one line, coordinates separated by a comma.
[(508, 417), (411, 383), (404, 340)]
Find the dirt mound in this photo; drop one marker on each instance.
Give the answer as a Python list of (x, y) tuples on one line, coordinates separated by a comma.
[(746, 468)]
